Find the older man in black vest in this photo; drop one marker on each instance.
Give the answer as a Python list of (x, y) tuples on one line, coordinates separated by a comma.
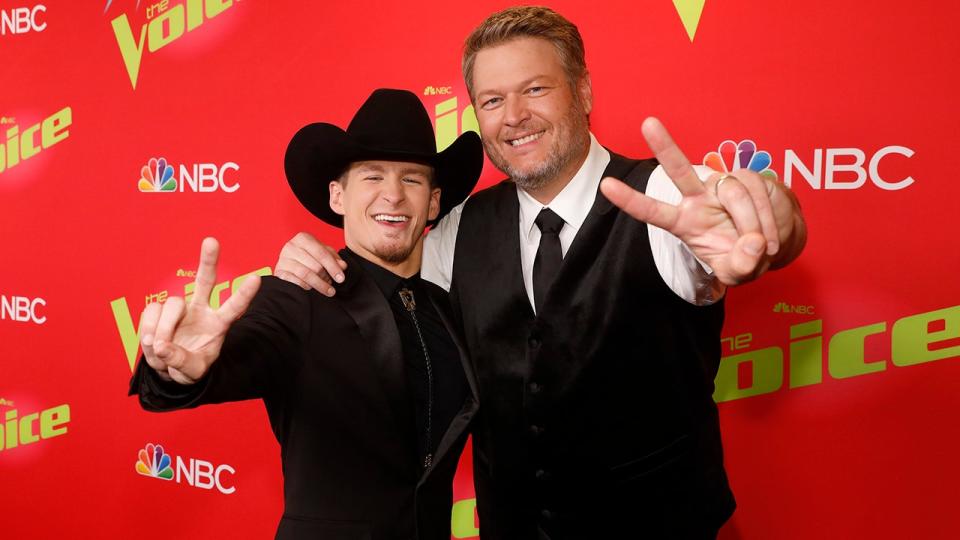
[(369, 393), (592, 309)]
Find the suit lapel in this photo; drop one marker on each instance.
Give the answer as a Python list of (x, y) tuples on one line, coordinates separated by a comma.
[(363, 301), (461, 421)]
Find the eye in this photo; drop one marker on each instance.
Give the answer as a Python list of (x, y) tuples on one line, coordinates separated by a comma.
[(413, 180), (536, 90), (491, 103), (374, 178)]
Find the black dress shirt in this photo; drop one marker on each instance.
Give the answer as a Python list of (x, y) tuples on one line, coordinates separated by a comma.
[(449, 382)]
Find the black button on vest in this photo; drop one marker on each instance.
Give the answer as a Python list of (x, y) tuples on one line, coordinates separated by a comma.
[(549, 255)]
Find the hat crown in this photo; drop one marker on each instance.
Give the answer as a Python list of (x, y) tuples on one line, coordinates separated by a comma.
[(393, 121)]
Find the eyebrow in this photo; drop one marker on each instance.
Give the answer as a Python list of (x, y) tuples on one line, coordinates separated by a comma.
[(523, 84), (424, 170)]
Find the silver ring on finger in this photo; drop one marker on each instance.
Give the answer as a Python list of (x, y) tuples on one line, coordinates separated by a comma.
[(716, 187)]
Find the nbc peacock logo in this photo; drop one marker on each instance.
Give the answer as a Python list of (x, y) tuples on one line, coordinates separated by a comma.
[(157, 176), (733, 156), (152, 461)]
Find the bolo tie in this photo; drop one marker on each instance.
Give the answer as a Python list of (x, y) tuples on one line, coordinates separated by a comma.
[(410, 303)]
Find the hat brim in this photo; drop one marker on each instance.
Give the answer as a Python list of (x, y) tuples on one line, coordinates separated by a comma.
[(318, 153)]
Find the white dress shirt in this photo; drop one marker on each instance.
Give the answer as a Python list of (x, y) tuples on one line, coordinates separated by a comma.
[(680, 269)]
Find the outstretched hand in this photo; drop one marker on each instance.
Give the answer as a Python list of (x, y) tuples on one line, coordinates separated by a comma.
[(739, 224), (181, 341)]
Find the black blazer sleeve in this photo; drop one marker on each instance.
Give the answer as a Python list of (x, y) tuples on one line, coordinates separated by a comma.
[(259, 358)]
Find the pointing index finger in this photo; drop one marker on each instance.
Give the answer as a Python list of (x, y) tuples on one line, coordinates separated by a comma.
[(674, 162)]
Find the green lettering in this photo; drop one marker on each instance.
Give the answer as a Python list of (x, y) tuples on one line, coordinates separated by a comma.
[(11, 438), (445, 112), (128, 335), (27, 148), (132, 52), (468, 121), (767, 374), (463, 521), (912, 337), (194, 14), (846, 354), (27, 435), (51, 419), (55, 127), (216, 7), (265, 271), (158, 40), (13, 146), (806, 355)]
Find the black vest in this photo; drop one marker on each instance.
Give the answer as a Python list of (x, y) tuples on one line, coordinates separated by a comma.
[(597, 417)]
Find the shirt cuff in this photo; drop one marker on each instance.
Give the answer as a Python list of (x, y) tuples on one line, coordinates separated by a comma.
[(707, 288)]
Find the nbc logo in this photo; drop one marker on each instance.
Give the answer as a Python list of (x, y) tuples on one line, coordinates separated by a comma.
[(22, 309), (732, 156), (22, 20), (783, 307), (437, 90), (159, 176), (153, 461), (831, 168)]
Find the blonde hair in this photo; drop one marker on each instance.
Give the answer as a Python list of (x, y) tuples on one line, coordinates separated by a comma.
[(527, 21)]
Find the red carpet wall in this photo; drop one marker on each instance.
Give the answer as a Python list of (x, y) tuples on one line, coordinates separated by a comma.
[(839, 387)]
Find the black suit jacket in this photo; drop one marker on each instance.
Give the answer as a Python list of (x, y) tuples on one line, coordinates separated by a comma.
[(598, 418), (330, 372)]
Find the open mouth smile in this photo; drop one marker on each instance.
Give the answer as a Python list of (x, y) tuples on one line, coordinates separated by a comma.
[(391, 219), (525, 139)]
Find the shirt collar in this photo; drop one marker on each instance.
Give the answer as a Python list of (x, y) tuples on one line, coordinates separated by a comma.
[(386, 281), (573, 203)]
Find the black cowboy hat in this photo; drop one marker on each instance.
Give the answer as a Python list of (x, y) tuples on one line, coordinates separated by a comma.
[(391, 125)]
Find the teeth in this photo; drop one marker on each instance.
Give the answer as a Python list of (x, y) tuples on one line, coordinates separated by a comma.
[(524, 140), (385, 217)]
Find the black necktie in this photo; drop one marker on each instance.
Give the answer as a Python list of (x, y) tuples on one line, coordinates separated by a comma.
[(549, 256)]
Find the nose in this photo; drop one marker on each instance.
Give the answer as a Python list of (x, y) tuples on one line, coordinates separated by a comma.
[(516, 111), (392, 191)]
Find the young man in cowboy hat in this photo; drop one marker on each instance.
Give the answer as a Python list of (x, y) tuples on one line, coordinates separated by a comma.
[(369, 393)]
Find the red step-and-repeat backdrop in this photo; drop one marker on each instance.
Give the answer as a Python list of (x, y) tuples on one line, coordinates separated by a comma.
[(839, 386)]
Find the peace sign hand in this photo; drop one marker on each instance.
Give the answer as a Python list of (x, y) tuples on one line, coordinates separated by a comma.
[(181, 341), (740, 225)]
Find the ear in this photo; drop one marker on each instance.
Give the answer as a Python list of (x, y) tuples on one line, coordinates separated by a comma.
[(336, 197), (434, 204), (585, 91)]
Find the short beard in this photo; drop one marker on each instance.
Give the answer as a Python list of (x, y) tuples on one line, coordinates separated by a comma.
[(395, 255), (540, 176)]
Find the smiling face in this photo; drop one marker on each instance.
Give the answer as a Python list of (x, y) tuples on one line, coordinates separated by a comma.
[(385, 207), (533, 119)]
